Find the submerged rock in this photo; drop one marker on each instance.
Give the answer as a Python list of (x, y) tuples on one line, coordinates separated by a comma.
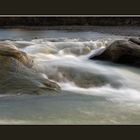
[(77, 50), (82, 78), (121, 51)]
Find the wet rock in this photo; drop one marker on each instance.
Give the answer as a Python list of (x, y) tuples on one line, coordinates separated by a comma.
[(121, 51), (17, 73), (135, 40), (51, 85), (10, 51)]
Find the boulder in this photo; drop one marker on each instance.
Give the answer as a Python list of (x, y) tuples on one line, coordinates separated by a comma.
[(121, 51), (17, 72), (10, 51)]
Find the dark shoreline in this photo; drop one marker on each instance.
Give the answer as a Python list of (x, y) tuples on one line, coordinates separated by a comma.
[(129, 26), (69, 21)]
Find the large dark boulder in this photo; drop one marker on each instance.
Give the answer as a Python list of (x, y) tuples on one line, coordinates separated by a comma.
[(121, 51)]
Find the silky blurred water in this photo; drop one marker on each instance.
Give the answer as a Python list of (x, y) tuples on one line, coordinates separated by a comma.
[(57, 51)]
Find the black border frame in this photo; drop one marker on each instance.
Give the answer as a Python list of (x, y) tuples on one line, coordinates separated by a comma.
[(80, 8)]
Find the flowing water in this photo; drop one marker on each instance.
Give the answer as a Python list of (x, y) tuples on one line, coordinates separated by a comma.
[(93, 92)]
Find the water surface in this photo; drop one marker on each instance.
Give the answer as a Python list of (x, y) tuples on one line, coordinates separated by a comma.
[(61, 56)]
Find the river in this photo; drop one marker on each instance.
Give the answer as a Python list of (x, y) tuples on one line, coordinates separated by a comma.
[(93, 92)]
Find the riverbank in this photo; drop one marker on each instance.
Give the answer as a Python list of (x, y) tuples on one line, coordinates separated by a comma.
[(68, 21)]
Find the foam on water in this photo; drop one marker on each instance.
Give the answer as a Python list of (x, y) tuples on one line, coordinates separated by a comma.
[(119, 95), (50, 54), (63, 57)]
